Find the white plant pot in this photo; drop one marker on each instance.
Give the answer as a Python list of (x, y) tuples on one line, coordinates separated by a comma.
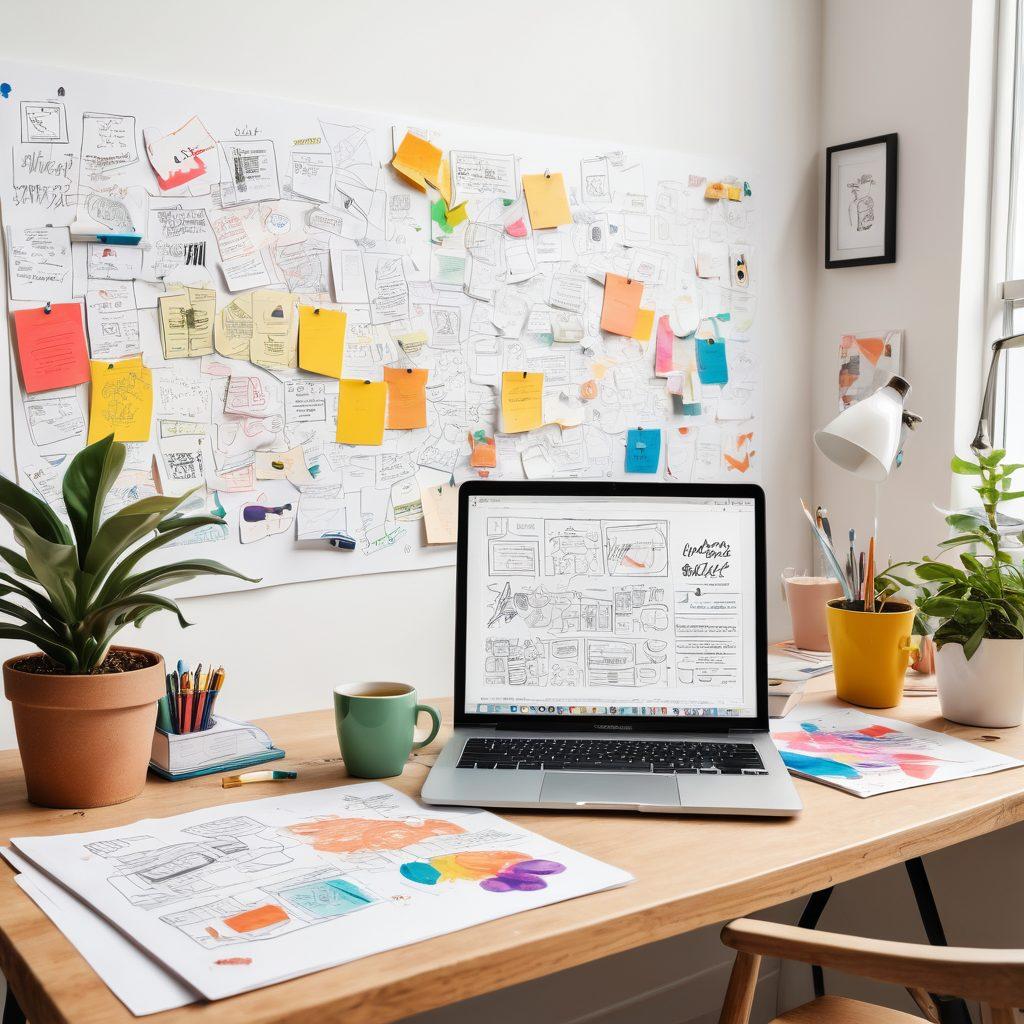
[(986, 690)]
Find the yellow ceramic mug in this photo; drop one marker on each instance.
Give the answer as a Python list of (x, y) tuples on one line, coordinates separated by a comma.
[(870, 652)]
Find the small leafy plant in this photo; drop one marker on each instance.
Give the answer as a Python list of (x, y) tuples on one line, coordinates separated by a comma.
[(983, 597), (78, 588)]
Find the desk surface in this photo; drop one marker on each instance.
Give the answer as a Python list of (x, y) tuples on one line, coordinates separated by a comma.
[(689, 872)]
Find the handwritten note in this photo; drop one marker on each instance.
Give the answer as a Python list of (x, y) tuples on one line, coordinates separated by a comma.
[(361, 407), (643, 450), (51, 347), (275, 330), (521, 401), (407, 398), (322, 340), (711, 364), (621, 304), (546, 200), (39, 263), (440, 513), (122, 400)]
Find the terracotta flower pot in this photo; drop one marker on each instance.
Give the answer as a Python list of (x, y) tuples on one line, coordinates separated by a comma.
[(85, 741)]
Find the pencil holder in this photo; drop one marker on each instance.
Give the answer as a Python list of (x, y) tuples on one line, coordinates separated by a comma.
[(870, 651)]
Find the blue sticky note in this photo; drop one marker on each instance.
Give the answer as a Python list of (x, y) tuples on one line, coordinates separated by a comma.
[(711, 364), (643, 450)]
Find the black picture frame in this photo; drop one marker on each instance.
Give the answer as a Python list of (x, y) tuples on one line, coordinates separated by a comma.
[(862, 207)]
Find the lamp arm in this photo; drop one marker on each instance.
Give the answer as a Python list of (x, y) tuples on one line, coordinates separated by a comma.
[(983, 435)]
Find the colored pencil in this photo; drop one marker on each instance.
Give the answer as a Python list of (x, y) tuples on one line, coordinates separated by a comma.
[(869, 580)]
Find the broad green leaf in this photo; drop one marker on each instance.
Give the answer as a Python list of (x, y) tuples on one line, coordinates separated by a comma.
[(61, 653), (17, 563), (99, 619), (180, 572), (963, 467), (55, 568), (167, 531), (974, 641), (125, 528), (938, 571), (17, 504), (43, 605), (87, 483)]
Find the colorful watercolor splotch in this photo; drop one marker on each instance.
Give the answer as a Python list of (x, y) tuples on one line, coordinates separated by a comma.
[(493, 870), (354, 835), (849, 754)]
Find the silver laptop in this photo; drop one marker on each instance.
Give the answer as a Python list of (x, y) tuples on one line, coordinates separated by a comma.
[(611, 651)]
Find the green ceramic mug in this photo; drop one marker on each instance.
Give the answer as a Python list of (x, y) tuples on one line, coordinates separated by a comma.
[(376, 723)]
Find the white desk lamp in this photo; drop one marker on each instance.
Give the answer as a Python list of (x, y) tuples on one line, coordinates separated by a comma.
[(866, 439)]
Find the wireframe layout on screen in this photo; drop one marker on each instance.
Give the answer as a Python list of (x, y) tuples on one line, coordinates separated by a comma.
[(597, 605)]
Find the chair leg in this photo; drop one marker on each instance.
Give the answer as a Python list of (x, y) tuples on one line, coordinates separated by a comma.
[(739, 996)]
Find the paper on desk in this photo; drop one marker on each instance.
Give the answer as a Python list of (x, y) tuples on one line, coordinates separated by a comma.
[(142, 984), (253, 893), (869, 754)]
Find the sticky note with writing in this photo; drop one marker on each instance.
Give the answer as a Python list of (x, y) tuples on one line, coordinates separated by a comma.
[(51, 347), (122, 400), (712, 367), (521, 401), (643, 450), (407, 398), (621, 304)]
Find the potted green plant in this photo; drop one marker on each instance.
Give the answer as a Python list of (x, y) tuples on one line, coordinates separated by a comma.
[(974, 610), (84, 710)]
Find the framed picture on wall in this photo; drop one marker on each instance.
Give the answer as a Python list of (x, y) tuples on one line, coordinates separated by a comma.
[(860, 202)]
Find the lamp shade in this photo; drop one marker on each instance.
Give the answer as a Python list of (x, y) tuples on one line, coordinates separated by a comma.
[(864, 438)]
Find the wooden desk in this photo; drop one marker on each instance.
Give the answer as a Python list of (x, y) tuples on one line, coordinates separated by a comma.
[(689, 872)]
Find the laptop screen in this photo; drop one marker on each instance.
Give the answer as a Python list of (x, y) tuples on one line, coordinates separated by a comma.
[(601, 605)]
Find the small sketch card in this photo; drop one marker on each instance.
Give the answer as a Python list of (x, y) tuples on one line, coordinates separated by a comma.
[(867, 754), (239, 896)]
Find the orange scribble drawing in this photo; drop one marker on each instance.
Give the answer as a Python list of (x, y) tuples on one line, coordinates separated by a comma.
[(233, 961), (741, 464), (257, 918), (743, 439), (212, 932), (353, 835)]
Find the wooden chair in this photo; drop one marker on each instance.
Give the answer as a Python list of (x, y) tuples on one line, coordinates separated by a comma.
[(992, 976)]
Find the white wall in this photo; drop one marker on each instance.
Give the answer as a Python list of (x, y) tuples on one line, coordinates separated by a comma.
[(898, 66), (729, 78)]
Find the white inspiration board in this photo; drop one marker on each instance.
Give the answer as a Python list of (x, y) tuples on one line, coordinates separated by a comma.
[(302, 200)]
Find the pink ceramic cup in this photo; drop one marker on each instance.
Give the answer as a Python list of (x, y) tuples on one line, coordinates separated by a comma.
[(807, 597)]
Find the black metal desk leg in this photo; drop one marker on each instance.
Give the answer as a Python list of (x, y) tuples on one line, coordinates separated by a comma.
[(951, 1009), (13, 1013)]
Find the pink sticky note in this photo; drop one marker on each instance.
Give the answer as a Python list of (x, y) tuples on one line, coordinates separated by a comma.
[(665, 344), (517, 229)]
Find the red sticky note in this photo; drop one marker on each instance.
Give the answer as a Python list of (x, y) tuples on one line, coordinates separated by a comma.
[(621, 305), (51, 347)]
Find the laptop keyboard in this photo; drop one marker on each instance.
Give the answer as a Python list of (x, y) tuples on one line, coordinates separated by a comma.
[(672, 757)]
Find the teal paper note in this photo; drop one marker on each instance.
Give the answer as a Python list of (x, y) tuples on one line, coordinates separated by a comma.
[(643, 451)]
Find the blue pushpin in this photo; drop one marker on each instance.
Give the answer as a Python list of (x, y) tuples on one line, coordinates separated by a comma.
[(5, 90)]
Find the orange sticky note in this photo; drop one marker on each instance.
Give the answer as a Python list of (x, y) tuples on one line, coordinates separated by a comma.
[(621, 304), (361, 412), (484, 454), (546, 200), (644, 325), (407, 398), (418, 161), (51, 347), (322, 340), (521, 401)]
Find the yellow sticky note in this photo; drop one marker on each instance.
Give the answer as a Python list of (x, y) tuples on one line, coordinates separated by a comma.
[(521, 401), (644, 325), (361, 412), (418, 161), (456, 215), (122, 400), (546, 200), (443, 181), (322, 340), (440, 513), (407, 397)]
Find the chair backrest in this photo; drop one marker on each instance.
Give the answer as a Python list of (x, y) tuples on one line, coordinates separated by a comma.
[(992, 976)]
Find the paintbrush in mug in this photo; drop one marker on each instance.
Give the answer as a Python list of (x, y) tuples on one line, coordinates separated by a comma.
[(830, 556)]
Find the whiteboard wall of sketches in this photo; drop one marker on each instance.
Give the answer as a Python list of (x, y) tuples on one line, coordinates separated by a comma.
[(538, 348)]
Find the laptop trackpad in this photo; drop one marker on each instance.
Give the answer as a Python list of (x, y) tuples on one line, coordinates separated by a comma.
[(609, 789)]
